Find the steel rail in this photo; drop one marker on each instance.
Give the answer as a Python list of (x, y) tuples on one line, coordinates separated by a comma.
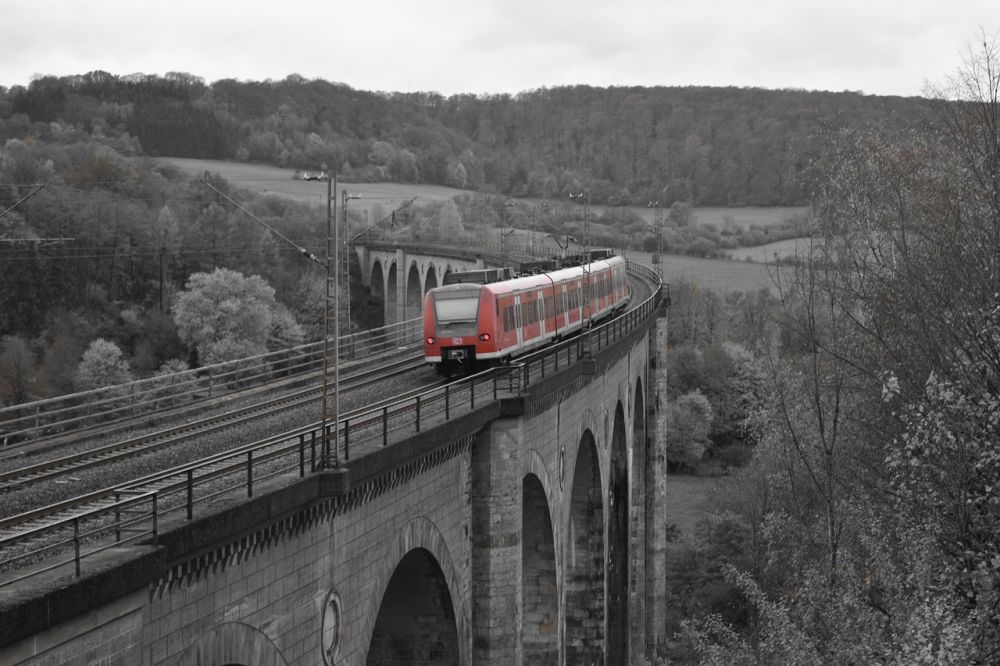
[(126, 401), (399, 417), (137, 446)]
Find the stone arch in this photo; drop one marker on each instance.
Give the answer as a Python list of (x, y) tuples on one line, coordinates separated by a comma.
[(419, 536), (391, 294), (539, 588), (583, 587), (618, 543), (377, 286), (377, 280), (430, 282), (589, 422), (236, 643), (414, 294)]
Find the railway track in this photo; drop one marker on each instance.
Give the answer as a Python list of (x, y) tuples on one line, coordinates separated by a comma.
[(137, 446), (214, 469), (30, 537)]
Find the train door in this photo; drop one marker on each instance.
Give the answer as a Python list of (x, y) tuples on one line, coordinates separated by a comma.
[(542, 314), (518, 325), (561, 308)]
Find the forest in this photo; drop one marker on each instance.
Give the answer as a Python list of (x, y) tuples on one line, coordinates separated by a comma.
[(626, 145)]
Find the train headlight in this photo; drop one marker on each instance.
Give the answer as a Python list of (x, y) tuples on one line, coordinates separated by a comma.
[(485, 337), (430, 340)]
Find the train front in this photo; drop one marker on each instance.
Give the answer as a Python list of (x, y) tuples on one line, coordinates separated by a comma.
[(452, 327)]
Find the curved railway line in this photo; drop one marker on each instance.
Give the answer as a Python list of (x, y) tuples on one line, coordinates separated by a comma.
[(127, 512)]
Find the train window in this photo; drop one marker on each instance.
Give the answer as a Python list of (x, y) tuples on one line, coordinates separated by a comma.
[(456, 309)]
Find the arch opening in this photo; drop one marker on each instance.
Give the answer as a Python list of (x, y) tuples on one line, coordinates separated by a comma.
[(414, 295), (416, 621), (539, 593), (584, 603), (431, 280), (618, 543), (391, 297)]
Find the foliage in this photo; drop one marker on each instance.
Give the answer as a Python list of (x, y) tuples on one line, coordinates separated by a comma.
[(102, 365), (225, 315), (689, 419), (877, 446), (16, 367), (722, 146)]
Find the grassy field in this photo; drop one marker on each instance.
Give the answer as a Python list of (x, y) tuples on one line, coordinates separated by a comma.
[(765, 253), (265, 179), (720, 275)]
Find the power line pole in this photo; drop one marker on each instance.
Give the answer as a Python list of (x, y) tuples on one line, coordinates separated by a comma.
[(331, 319), (585, 195)]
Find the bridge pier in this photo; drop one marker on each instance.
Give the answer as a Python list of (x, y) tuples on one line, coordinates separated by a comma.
[(656, 476), (496, 543)]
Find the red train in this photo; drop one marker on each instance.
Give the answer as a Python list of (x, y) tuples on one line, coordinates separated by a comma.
[(469, 325)]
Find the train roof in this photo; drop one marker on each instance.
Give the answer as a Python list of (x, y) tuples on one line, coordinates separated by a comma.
[(534, 280), (569, 273)]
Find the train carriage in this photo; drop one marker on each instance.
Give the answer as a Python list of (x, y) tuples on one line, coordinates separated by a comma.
[(467, 326)]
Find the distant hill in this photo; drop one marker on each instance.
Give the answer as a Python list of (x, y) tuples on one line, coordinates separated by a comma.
[(627, 145)]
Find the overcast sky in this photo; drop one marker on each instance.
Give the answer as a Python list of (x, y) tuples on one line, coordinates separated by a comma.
[(483, 46)]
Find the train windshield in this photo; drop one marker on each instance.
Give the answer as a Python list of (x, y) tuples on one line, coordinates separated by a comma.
[(455, 309)]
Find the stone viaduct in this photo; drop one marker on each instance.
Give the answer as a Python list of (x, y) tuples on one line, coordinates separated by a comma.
[(400, 277), (531, 530)]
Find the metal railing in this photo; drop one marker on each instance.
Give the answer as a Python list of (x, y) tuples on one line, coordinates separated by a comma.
[(105, 405), (134, 512)]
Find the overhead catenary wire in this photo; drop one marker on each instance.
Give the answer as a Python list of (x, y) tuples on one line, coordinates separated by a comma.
[(23, 199), (301, 250)]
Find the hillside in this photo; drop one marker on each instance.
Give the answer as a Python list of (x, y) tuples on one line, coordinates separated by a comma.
[(627, 145)]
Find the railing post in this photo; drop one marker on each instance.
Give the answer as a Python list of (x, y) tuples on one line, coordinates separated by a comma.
[(302, 455), (250, 473), (472, 394), (418, 413), (447, 410), (495, 383), (76, 545), (154, 515), (347, 440), (385, 426), (312, 451), (190, 494)]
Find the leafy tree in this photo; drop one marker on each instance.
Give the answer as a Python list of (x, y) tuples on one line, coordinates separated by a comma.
[(878, 446), (681, 214), (688, 422), (16, 367), (225, 315), (103, 364)]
